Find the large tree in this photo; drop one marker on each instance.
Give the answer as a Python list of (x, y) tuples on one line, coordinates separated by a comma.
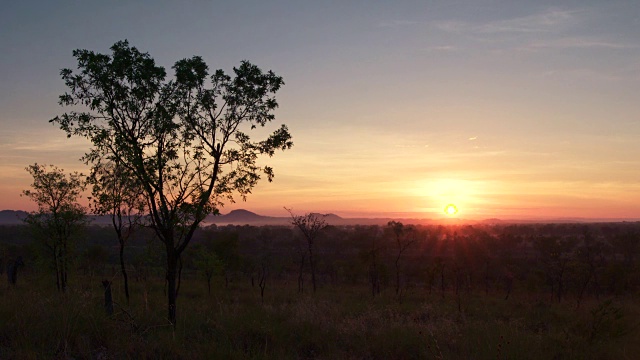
[(59, 218), (186, 140)]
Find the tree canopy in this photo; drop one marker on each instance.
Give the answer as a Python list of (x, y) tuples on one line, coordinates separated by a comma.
[(185, 139), (59, 217)]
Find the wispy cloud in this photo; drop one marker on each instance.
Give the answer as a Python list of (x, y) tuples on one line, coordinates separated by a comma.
[(394, 24), (547, 21), (442, 48), (579, 43)]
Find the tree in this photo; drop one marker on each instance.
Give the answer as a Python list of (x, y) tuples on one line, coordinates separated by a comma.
[(117, 193), (555, 254), (226, 249), (371, 256), (208, 262), (59, 217), (404, 237), (186, 142), (310, 225), (265, 264)]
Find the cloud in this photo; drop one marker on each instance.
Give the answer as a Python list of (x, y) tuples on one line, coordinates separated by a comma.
[(547, 21), (395, 24), (579, 43), (543, 22), (453, 26), (443, 48)]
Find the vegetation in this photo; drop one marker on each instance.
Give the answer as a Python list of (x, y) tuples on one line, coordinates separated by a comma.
[(59, 217), (184, 141), (468, 317), (117, 193), (310, 225)]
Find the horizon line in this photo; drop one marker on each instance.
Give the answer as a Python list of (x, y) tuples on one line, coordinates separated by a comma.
[(412, 216)]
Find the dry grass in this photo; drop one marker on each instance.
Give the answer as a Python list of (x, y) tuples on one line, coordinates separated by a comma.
[(338, 323)]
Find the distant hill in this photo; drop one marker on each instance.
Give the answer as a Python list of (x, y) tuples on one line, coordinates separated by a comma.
[(240, 216), (12, 217), (246, 217)]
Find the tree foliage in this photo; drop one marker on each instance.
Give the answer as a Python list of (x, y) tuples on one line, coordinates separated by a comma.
[(185, 140), (59, 217), (208, 262)]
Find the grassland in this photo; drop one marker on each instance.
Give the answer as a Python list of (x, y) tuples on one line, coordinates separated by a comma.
[(338, 322)]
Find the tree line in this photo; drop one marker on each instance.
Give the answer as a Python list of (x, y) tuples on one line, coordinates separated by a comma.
[(555, 262)]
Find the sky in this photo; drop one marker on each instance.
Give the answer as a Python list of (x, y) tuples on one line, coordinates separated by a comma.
[(507, 109)]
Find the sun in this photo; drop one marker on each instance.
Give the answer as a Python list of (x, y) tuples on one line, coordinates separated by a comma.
[(450, 210)]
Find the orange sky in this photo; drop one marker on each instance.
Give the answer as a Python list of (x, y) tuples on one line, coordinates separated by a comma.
[(515, 111)]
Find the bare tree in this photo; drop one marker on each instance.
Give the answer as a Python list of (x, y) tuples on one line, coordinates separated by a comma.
[(404, 237), (310, 225), (117, 193)]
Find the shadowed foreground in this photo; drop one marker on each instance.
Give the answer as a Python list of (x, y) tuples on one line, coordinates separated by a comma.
[(339, 322)]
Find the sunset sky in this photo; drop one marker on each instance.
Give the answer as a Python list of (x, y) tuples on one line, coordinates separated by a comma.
[(507, 109)]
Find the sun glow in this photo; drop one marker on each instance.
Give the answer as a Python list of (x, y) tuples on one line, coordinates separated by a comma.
[(450, 210)]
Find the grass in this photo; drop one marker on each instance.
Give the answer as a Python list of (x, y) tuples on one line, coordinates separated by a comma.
[(339, 322)]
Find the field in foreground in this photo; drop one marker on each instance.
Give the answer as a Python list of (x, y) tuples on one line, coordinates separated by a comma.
[(336, 323)]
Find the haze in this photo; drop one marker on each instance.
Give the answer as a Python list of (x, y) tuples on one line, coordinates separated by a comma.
[(506, 109)]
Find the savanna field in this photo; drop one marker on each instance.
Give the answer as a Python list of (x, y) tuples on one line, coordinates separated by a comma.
[(439, 180), (458, 292)]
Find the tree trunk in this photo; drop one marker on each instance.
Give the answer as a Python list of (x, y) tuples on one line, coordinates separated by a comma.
[(57, 268), (313, 269), (124, 272), (179, 275), (263, 282), (486, 278), (442, 281), (108, 298), (172, 274), (64, 268), (301, 276), (398, 275)]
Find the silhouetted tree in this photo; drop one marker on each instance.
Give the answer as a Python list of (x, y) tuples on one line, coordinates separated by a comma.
[(108, 298), (265, 264), (374, 266), (117, 193), (208, 262), (626, 246), (226, 248), (59, 217), (184, 141), (12, 270), (555, 254), (301, 253), (404, 237), (310, 225)]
